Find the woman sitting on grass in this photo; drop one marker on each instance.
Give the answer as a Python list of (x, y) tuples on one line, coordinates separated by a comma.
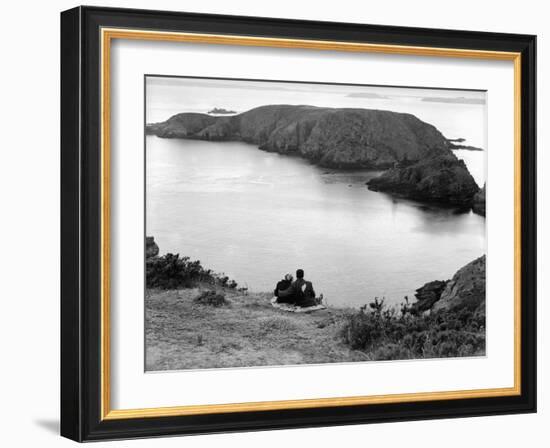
[(284, 291)]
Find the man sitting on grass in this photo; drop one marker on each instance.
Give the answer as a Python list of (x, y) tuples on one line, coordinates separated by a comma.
[(304, 293)]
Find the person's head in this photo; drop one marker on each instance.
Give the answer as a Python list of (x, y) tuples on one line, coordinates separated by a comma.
[(300, 273), (288, 277)]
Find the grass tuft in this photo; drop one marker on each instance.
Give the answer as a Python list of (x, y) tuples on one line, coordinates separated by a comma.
[(211, 298)]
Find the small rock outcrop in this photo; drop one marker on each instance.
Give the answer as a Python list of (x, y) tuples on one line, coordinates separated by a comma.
[(427, 296), (466, 289), (478, 204), (151, 248), (441, 178), (211, 298)]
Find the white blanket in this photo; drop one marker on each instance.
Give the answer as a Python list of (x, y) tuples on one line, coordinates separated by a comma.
[(295, 309)]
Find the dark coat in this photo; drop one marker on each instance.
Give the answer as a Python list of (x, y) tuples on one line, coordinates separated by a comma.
[(305, 296), (284, 292)]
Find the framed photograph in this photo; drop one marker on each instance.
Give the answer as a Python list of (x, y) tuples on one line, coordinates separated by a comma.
[(277, 224)]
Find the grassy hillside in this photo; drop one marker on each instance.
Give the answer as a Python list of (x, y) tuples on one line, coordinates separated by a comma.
[(246, 331), (197, 319)]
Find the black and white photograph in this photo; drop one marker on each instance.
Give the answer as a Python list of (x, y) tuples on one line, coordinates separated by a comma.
[(265, 224), (294, 223), (274, 223)]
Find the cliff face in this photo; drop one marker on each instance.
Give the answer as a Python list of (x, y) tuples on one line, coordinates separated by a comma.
[(428, 295), (465, 290), (338, 138)]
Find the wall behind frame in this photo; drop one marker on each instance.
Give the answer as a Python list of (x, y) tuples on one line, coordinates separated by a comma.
[(29, 186)]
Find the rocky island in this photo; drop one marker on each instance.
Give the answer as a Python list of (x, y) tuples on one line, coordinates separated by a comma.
[(419, 159)]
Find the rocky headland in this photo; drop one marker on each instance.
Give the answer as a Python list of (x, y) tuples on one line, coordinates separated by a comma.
[(441, 178), (419, 159)]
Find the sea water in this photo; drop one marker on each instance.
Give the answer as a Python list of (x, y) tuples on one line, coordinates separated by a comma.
[(255, 216)]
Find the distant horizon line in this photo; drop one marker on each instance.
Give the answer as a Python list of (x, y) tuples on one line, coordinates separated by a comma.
[(286, 81)]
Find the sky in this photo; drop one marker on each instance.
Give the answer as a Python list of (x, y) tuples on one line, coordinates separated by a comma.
[(167, 96)]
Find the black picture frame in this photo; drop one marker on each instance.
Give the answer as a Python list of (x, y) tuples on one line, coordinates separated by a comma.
[(81, 224)]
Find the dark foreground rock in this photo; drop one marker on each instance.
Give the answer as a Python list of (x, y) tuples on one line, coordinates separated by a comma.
[(151, 248), (441, 178), (466, 289), (478, 205), (427, 295)]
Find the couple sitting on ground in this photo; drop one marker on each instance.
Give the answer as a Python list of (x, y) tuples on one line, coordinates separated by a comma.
[(299, 292)]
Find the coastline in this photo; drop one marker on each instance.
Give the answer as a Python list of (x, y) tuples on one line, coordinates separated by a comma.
[(418, 161)]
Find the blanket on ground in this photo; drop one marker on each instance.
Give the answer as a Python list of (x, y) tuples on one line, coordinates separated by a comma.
[(295, 309)]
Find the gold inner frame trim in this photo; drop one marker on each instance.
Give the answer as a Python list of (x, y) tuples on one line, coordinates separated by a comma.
[(107, 35)]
